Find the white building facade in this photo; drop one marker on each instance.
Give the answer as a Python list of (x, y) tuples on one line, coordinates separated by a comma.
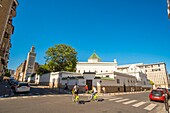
[(141, 71)]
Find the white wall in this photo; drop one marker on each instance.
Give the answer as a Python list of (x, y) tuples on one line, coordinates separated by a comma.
[(98, 67), (45, 77)]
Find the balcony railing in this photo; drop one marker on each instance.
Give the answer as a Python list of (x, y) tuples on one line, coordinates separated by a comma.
[(2, 52), (10, 29)]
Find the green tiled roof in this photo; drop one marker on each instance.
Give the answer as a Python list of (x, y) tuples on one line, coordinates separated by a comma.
[(94, 56)]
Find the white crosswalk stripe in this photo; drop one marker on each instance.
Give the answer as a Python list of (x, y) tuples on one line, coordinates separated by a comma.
[(25, 97), (139, 104), (129, 102), (150, 107), (122, 100), (114, 99)]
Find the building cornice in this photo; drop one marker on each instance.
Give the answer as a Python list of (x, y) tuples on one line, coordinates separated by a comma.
[(16, 2)]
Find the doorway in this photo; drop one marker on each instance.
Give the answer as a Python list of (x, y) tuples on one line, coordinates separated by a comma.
[(124, 88), (89, 84)]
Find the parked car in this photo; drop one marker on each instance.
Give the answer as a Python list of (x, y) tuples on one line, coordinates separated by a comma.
[(157, 95), (13, 83), (22, 87), (166, 91)]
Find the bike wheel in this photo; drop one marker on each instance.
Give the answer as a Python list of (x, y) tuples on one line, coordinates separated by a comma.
[(89, 97)]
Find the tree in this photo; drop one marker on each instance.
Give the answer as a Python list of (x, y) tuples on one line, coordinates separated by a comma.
[(42, 70), (7, 73), (151, 82), (61, 57)]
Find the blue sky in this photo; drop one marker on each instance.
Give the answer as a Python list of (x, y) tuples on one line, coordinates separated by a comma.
[(130, 31)]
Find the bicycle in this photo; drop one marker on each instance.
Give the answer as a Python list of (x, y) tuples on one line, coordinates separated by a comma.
[(75, 98), (94, 98)]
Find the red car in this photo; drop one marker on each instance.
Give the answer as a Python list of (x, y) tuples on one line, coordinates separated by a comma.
[(157, 95)]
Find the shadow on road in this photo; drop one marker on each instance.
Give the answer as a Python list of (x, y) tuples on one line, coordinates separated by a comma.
[(86, 101)]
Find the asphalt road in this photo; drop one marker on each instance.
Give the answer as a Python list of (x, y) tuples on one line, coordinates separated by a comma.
[(131, 103)]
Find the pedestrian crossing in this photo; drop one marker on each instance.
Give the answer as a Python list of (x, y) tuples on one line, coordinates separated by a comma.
[(134, 103)]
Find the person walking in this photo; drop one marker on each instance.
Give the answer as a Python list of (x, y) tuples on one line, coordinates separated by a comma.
[(86, 88)]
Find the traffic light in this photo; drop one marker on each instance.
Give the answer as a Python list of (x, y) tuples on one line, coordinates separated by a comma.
[(168, 2)]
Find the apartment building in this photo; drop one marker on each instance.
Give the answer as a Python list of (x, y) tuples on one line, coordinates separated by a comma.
[(155, 72), (7, 13)]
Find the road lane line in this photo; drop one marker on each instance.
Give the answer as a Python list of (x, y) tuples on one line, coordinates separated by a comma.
[(150, 107), (139, 104), (122, 100), (129, 102), (114, 99)]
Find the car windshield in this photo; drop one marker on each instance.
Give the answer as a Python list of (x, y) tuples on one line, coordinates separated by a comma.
[(156, 93), (23, 84)]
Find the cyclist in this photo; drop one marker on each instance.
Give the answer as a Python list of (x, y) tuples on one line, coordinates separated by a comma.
[(75, 90), (94, 91)]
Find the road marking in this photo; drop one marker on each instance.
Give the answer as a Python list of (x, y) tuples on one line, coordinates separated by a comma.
[(122, 100), (25, 97), (114, 99), (34, 96), (150, 107), (129, 102), (13, 98), (105, 98), (139, 104), (50, 95)]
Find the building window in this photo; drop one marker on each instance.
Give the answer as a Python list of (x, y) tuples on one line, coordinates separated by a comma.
[(79, 71), (101, 71), (107, 75), (158, 65), (145, 70), (118, 81), (159, 69), (106, 70), (151, 65)]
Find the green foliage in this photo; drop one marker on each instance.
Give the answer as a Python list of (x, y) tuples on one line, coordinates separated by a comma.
[(7, 73), (42, 70), (151, 82), (61, 57)]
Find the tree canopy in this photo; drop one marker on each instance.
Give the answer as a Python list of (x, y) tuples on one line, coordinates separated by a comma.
[(61, 57), (151, 82), (42, 69)]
